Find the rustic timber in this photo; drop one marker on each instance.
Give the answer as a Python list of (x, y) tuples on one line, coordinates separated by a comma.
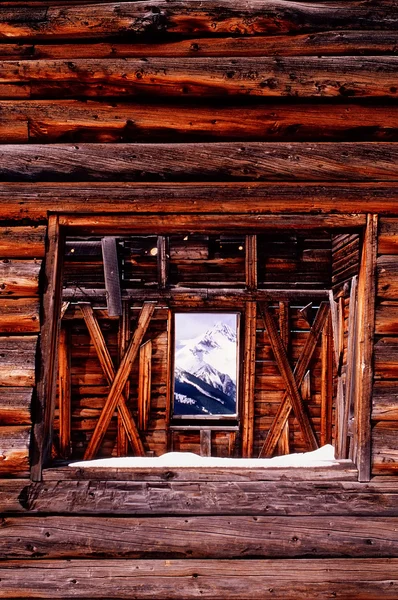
[(34, 201), (19, 278), (14, 451), (19, 315), (123, 340), (327, 383), (110, 373), (277, 17), (388, 236), (291, 77), (119, 382), (385, 448), (249, 361), (106, 121), (17, 361), (144, 384), (64, 391), (22, 242), (15, 405), (387, 277), (112, 277), (254, 161)]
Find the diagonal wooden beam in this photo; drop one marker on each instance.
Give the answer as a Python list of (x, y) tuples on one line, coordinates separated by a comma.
[(109, 371), (298, 373)]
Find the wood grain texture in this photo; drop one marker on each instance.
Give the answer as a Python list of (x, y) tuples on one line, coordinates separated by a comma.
[(387, 277), (14, 451), (253, 161), (385, 401), (387, 318), (19, 315), (388, 236), (15, 405), (22, 242), (385, 448), (386, 358), (19, 278), (35, 200), (359, 579), (291, 77), (43, 121), (222, 17), (17, 361), (197, 537)]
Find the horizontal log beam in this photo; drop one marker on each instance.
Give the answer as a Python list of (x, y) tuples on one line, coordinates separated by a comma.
[(365, 161), (17, 361), (387, 277), (291, 77), (19, 278), (94, 121), (385, 448), (197, 537), (387, 318), (14, 450), (325, 43), (387, 242), (22, 242), (36, 200), (19, 315), (179, 579), (15, 405), (279, 498)]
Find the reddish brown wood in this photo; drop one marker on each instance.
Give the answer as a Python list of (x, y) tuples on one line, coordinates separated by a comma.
[(247, 403), (64, 392)]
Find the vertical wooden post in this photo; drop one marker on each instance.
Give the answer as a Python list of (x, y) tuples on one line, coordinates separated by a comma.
[(144, 385), (249, 379), (163, 261), (64, 392), (350, 367), (49, 336), (251, 262), (284, 328), (327, 384), (124, 338), (366, 328), (170, 379), (205, 442), (112, 277)]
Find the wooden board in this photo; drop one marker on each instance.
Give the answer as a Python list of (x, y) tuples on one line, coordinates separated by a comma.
[(19, 278), (22, 242), (15, 405), (14, 450), (385, 448), (48, 537), (387, 276), (364, 579), (17, 361), (19, 315), (388, 236)]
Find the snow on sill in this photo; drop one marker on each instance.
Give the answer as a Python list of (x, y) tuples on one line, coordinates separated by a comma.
[(323, 457)]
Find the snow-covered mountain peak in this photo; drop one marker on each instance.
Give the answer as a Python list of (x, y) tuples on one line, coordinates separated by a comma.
[(223, 329)]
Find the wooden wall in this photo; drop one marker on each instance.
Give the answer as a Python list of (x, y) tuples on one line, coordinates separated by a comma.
[(245, 110)]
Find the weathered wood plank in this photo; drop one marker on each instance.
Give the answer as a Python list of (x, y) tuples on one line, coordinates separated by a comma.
[(359, 579), (279, 498), (35, 200), (197, 537), (144, 384), (64, 391), (17, 361), (132, 18), (385, 448), (385, 401), (387, 276), (249, 369), (292, 77), (387, 318), (107, 121), (14, 451), (360, 161), (386, 358), (112, 277), (388, 236), (15, 405), (19, 277), (22, 242), (19, 315), (325, 43)]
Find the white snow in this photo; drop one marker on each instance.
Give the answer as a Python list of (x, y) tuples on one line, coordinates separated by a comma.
[(323, 457)]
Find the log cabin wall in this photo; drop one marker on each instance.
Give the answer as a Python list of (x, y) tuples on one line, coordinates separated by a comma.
[(276, 108)]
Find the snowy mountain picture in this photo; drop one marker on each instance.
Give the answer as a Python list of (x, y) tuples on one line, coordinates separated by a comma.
[(205, 364)]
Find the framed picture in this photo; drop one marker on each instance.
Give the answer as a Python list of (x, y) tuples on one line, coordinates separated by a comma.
[(205, 365)]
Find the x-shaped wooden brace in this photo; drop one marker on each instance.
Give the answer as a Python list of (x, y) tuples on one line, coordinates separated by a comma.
[(117, 380), (293, 379)]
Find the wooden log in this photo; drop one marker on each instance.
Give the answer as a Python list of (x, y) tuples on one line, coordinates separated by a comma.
[(365, 332), (248, 387), (22, 242), (197, 537), (132, 18), (292, 77), (205, 442), (387, 277), (162, 260), (17, 361), (110, 374), (144, 384), (385, 401), (19, 315), (92, 121), (64, 391), (19, 277), (49, 335), (284, 328), (120, 380), (251, 262), (273, 498), (388, 236), (177, 579), (359, 161), (327, 384), (386, 358), (112, 277), (385, 448), (325, 43), (15, 405), (34, 201), (14, 451), (387, 318)]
